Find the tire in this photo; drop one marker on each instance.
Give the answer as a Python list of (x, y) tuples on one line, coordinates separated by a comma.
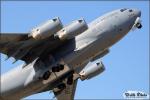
[(55, 69), (61, 67), (61, 86), (139, 26), (46, 75), (70, 81)]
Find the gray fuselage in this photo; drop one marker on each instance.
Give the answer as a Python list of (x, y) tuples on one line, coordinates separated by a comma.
[(102, 33)]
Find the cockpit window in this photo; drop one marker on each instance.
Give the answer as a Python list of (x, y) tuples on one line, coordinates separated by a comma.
[(130, 10), (123, 9)]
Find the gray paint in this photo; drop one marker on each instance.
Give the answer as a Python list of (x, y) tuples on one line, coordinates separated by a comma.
[(47, 29), (73, 29), (102, 33)]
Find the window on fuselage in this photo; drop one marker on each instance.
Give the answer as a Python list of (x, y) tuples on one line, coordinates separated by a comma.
[(122, 10), (130, 10)]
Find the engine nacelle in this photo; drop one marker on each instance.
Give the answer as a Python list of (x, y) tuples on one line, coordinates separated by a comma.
[(91, 71), (47, 29), (72, 30)]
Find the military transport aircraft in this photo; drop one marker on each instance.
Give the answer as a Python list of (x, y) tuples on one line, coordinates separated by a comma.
[(56, 56)]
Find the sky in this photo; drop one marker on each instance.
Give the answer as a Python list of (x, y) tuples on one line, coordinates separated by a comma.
[(127, 64)]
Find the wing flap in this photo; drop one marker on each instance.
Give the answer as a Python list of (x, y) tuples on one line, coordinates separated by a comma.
[(25, 48), (11, 42), (15, 44)]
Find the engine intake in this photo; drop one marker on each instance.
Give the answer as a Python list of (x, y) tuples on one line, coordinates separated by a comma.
[(91, 71), (72, 30), (47, 29)]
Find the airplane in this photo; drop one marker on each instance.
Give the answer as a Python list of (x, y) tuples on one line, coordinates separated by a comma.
[(56, 56)]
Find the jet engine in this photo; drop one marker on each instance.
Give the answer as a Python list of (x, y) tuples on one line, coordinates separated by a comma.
[(72, 30), (91, 71), (47, 29)]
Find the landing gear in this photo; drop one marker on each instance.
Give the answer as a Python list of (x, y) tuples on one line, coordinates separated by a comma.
[(61, 86), (46, 75), (70, 80), (139, 26), (57, 68), (61, 67)]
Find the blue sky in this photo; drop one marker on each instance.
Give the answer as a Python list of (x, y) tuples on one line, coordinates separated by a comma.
[(127, 64)]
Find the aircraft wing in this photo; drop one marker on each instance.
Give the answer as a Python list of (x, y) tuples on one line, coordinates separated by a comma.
[(10, 42), (4, 37), (67, 93), (25, 48)]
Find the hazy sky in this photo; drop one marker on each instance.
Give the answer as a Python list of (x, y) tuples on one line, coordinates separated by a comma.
[(127, 64)]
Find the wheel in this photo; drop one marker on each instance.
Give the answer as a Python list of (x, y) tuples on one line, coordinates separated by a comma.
[(46, 75), (61, 86), (139, 26), (55, 69), (70, 80), (61, 67)]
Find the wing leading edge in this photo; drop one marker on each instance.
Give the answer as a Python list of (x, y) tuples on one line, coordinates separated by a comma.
[(22, 47)]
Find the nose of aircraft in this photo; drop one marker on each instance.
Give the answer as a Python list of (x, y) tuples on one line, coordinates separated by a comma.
[(137, 12)]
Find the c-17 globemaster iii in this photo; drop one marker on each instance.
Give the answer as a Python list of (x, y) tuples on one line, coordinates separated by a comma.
[(56, 56)]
